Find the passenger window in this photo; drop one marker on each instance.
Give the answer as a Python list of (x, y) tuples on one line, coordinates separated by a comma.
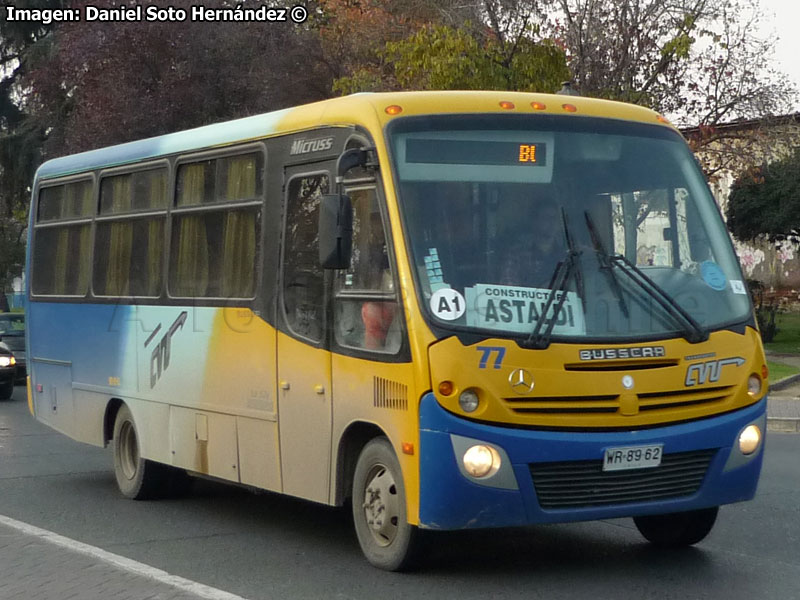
[(61, 253), (214, 252), (133, 249), (61, 260), (303, 289), (70, 201), (366, 305)]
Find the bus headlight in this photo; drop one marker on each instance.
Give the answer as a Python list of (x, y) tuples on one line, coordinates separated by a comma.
[(468, 401), (481, 461), (754, 385), (749, 439)]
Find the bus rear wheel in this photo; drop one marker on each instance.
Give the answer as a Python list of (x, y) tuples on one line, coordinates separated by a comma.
[(379, 509), (137, 477), (677, 529)]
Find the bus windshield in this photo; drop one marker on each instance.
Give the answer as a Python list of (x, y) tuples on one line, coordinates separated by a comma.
[(579, 227)]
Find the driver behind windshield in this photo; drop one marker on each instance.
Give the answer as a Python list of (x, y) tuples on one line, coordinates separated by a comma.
[(535, 246)]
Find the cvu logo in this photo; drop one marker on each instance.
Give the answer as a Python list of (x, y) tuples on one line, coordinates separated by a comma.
[(710, 371), (159, 359)]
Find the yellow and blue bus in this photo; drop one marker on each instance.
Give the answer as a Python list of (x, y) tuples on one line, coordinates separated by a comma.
[(452, 310)]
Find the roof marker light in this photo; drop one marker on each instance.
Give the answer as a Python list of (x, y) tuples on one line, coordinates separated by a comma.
[(538, 106), (394, 109), (506, 105), (663, 119), (569, 107)]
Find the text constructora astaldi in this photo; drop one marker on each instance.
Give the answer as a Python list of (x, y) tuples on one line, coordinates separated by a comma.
[(152, 13)]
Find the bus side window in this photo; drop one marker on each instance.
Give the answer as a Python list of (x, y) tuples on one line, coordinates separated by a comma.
[(366, 306), (303, 289)]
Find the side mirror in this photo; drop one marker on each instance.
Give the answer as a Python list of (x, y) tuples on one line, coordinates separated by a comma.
[(335, 231)]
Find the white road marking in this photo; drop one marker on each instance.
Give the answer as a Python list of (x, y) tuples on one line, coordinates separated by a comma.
[(131, 566)]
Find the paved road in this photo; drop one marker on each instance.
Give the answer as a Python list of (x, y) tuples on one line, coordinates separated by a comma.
[(268, 546)]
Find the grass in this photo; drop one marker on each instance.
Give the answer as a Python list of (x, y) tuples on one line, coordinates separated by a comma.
[(778, 371), (787, 340)]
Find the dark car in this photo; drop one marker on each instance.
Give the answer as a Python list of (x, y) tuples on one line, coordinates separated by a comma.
[(12, 334), (8, 372)]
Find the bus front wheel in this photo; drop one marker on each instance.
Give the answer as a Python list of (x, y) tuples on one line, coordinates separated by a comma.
[(137, 478), (677, 529), (379, 509)]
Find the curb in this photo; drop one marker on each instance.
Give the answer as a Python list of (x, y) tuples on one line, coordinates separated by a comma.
[(784, 383), (783, 424)]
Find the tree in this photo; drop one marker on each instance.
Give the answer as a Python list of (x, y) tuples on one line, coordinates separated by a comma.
[(451, 44), (446, 58), (765, 201), (698, 61), (100, 86), (20, 139)]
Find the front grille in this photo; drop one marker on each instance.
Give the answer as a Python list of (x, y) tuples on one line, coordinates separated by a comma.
[(582, 484), (610, 404), (659, 400), (564, 404)]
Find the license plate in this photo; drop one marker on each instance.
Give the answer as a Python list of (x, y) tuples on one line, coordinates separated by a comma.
[(632, 457)]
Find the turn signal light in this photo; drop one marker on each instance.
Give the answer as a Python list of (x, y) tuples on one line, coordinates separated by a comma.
[(446, 388), (394, 109)]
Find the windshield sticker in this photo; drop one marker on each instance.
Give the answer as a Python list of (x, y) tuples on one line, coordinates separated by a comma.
[(713, 275), (518, 309), (737, 286), (433, 269), (447, 304)]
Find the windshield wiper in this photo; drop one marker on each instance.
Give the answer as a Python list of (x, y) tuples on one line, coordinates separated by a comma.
[(693, 331), (558, 283), (606, 265)]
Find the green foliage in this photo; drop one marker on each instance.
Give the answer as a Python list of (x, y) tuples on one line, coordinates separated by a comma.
[(765, 313), (778, 371), (363, 80), (787, 339), (445, 58), (766, 201)]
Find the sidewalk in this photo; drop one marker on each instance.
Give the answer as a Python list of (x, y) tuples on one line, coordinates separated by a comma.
[(36, 564), (783, 406)]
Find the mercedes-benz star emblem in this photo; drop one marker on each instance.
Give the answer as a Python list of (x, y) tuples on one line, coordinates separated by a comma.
[(521, 381)]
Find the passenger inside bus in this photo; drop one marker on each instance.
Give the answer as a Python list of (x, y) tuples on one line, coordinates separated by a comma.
[(377, 316)]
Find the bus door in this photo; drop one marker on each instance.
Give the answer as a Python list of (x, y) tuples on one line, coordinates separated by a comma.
[(304, 362)]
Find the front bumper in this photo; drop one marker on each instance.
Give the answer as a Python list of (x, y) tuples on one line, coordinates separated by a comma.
[(451, 500)]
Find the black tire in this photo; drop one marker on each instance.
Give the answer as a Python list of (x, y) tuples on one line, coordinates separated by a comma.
[(677, 529), (6, 390), (139, 478), (388, 541)]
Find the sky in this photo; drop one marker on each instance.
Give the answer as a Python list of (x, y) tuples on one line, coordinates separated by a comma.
[(781, 19)]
